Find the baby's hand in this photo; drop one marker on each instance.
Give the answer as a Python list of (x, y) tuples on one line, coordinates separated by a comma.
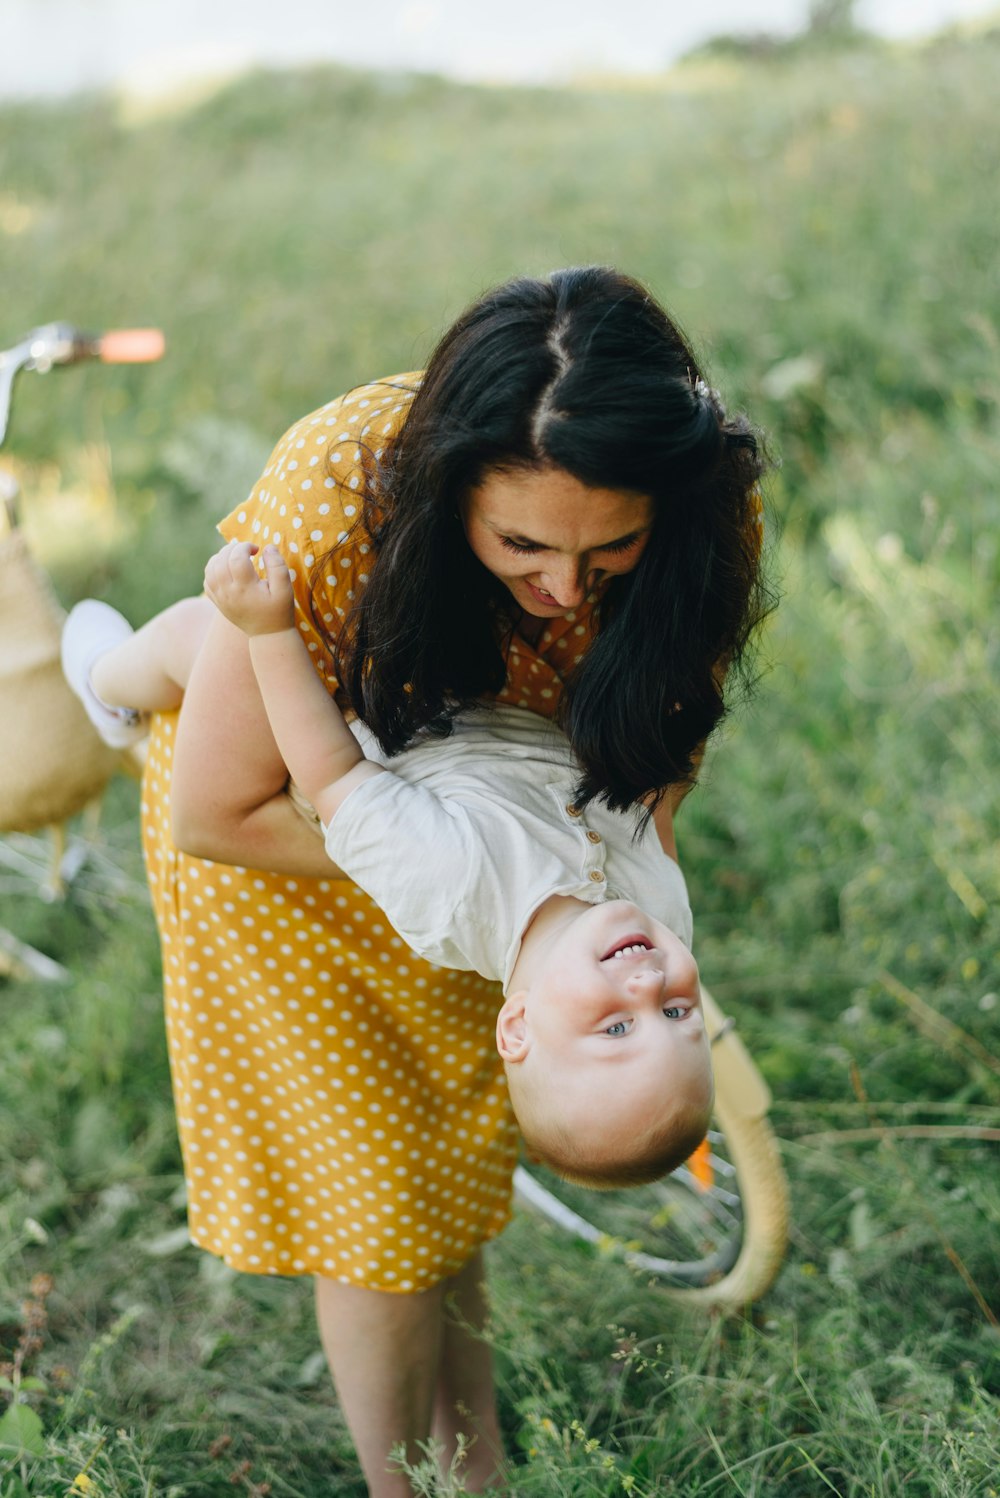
[(256, 605)]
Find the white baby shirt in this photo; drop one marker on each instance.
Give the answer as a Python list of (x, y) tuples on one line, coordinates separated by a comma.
[(462, 843)]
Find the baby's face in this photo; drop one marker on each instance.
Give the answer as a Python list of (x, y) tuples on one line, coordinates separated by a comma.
[(613, 1010)]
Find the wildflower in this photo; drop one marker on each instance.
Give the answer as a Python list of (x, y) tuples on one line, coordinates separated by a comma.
[(34, 1313)]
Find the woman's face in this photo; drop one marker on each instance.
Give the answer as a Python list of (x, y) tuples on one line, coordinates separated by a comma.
[(550, 539)]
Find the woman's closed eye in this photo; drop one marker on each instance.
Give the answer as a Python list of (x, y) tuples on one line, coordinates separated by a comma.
[(526, 548), (625, 544)]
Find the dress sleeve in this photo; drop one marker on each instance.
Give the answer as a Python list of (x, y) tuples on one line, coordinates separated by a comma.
[(308, 503)]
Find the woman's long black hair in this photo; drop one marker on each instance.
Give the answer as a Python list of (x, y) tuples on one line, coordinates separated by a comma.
[(583, 371)]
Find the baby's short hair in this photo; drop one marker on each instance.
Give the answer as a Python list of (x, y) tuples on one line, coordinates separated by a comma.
[(649, 1153)]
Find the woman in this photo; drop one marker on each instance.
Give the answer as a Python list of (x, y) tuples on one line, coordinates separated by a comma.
[(558, 515)]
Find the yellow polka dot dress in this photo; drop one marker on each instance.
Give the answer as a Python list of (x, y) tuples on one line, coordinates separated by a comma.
[(341, 1106)]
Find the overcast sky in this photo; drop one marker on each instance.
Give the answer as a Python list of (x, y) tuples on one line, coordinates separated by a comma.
[(57, 46)]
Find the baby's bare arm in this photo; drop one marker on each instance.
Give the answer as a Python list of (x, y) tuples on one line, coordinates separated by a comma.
[(321, 753)]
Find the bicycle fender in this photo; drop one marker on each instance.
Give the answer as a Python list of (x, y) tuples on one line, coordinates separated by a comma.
[(737, 1081)]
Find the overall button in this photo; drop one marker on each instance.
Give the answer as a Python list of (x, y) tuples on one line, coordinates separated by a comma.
[(592, 836), (596, 876), (572, 811)]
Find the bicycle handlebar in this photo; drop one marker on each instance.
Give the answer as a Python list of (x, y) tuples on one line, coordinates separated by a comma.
[(131, 346), (60, 343)]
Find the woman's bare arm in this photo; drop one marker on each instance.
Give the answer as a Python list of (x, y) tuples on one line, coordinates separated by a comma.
[(663, 821), (663, 816), (228, 796)]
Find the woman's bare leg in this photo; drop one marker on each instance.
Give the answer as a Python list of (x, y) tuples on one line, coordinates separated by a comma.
[(465, 1400), (384, 1353), (407, 1367), (150, 670)]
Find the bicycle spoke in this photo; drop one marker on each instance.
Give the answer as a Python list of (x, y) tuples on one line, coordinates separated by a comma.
[(90, 871)]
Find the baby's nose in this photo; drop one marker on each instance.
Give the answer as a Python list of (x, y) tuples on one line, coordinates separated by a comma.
[(677, 976), (649, 980)]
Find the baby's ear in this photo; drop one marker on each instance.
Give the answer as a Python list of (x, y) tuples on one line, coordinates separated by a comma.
[(512, 1029)]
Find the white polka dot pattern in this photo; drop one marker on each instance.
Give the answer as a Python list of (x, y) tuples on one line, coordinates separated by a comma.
[(341, 1105)]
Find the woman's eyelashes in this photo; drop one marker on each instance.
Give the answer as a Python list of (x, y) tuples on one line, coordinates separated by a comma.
[(528, 548), (518, 547), (616, 548)]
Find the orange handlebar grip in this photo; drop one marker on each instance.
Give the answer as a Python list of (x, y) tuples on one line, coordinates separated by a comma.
[(132, 346)]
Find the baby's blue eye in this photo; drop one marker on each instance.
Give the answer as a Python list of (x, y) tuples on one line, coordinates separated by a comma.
[(675, 1011), (620, 1027)]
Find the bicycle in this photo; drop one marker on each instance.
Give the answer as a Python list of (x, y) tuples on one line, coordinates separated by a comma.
[(52, 763), (714, 1231)]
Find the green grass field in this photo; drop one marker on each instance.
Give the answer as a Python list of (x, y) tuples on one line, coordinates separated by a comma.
[(824, 226)]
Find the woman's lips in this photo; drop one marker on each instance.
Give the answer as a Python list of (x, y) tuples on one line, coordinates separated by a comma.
[(540, 596)]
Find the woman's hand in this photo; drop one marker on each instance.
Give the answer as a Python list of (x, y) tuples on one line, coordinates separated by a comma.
[(256, 605)]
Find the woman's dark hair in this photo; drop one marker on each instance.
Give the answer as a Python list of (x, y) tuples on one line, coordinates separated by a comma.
[(583, 371)]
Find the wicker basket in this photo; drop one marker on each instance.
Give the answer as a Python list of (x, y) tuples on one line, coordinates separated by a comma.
[(51, 759)]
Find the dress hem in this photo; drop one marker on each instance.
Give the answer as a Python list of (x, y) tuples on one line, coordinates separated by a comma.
[(242, 1265)]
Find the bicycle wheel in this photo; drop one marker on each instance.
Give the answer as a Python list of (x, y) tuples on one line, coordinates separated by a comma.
[(715, 1230)]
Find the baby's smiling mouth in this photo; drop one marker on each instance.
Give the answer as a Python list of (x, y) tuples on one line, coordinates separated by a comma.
[(630, 947)]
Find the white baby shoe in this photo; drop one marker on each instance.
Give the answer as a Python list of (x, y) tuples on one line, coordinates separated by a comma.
[(92, 628)]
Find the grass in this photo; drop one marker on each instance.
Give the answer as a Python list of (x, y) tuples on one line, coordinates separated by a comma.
[(824, 224)]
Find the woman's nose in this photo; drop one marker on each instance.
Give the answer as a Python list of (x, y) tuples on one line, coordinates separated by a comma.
[(566, 580)]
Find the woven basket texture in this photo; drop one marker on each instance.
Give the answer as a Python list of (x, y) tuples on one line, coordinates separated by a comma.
[(51, 759)]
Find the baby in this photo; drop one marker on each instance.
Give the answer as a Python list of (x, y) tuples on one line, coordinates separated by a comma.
[(472, 847)]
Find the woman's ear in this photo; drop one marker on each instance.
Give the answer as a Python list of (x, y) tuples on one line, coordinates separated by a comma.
[(513, 1042)]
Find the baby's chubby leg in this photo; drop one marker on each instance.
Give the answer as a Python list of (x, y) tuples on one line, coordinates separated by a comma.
[(120, 675), (150, 669)]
